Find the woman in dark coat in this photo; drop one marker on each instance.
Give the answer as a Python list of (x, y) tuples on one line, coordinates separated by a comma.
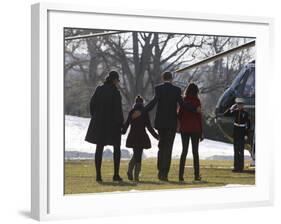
[(137, 138), (106, 122), (190, 128)]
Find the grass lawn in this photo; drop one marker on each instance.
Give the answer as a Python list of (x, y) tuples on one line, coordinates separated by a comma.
[(80, 176)]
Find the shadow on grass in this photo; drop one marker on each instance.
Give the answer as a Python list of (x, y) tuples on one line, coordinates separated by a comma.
[(131, 184), (249, 171), (120, 184), (173, 182), (188, 182), (252, 171), (151, 182)]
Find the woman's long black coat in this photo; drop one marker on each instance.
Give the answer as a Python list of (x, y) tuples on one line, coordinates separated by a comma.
[(107, 116)]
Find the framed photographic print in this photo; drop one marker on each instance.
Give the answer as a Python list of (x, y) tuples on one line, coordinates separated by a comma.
[(148, 111)]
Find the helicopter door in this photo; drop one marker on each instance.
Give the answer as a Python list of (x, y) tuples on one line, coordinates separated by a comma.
[(244, 87), (249, 88), (248, 92)]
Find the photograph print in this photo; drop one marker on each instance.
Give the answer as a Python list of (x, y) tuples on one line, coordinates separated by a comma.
[(157, 111)]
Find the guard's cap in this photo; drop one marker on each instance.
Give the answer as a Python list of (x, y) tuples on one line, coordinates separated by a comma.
[(239, 100)]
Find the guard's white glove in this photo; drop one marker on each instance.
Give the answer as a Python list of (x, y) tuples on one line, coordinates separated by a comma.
[(233, 107)]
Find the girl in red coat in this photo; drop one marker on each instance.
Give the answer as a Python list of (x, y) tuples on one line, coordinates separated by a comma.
[(137, 138), (190, 128)]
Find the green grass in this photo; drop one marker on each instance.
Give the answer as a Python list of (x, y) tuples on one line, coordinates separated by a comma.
[(80, 176)]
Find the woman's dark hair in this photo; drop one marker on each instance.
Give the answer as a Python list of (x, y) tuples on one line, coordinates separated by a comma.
[(139, 99), (112, 75), (192, 90), (108, 80)]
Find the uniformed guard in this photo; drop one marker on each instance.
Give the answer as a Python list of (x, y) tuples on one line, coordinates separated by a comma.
[(240, 132)]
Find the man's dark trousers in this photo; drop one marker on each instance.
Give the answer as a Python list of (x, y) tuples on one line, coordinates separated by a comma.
[(239, 143), (167, 98), (165, 145)]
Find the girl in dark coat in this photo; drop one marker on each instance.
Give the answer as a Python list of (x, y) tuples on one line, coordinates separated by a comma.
[(106, 122), (137, 138), (190, 128)]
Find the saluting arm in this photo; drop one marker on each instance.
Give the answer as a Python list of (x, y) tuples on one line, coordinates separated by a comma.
[(230, 111)]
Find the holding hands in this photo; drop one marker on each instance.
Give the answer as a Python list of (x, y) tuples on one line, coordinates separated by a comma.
[(233, 107)]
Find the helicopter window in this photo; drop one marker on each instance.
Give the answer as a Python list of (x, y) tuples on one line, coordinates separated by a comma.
[(249, 88), (239, 79)]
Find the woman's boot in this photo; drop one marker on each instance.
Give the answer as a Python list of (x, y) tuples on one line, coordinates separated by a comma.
[(181, 171), (137, 171), (130, 169), (98, 161), (116, 163)]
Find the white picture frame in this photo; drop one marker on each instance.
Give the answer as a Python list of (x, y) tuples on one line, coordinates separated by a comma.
[(48, 200)]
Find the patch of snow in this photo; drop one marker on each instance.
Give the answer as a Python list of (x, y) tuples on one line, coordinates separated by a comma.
[(76, 128), (133, 190)]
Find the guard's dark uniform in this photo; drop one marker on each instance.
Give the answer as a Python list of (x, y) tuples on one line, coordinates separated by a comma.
[(240, 130)]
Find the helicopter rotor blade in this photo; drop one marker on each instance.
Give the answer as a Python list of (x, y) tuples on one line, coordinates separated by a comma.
[(217, 56), (93, 35)]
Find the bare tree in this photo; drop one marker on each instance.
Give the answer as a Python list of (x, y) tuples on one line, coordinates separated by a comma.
[(141, 57)]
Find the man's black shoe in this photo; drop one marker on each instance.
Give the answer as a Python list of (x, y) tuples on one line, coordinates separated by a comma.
[(181, 179), (165, 179), (237, 171), (98, 179), (117, 178)]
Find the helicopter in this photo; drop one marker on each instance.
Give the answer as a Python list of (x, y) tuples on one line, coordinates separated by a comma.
[(243, 86)]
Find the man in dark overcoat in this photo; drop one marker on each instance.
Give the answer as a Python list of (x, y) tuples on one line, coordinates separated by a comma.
[(106, 123), (167, 97)]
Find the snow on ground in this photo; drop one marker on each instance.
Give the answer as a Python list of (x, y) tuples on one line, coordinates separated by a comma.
[(76, 128)]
